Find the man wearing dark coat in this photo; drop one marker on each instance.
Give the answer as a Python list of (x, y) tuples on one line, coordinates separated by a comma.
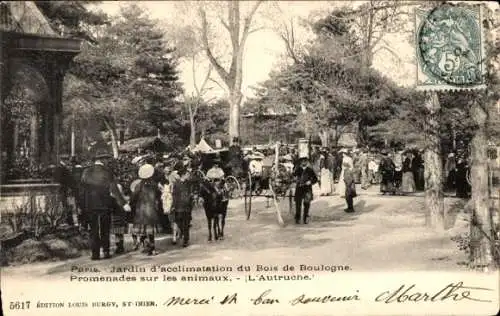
[(305, 179), (99, 187), (350, 188), (418, 170), (182, 201), (461, 176)]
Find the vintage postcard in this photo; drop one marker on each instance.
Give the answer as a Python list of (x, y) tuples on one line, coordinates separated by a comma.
[(249, 157)]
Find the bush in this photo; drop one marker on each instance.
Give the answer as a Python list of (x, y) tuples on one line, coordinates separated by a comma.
[(34, 217)]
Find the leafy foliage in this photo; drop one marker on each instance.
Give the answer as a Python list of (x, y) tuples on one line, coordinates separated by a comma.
[(212, 120), (129, 77), (73, 17)]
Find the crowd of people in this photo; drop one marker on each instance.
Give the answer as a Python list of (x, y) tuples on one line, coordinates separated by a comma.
[(141, 197), (121, 196)]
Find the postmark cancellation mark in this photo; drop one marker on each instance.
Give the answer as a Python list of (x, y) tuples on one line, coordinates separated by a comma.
[(450, 48)]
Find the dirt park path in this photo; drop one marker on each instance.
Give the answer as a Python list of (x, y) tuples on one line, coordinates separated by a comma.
[(386, 233)]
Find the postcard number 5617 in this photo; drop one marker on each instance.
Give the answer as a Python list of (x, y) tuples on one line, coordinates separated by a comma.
[(19, 305)]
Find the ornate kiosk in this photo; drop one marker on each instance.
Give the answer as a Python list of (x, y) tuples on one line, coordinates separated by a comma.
[(30, 45)]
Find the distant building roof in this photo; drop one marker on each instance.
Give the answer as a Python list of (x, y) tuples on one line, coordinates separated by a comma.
[(203, 146), (269, 114)]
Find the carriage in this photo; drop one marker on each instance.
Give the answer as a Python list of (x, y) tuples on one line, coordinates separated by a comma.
[(275, 182), (206, 161)]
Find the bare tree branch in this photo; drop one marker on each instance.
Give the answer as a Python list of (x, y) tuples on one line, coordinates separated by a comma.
[(248, 22), (220, 70), (226, 26), (256, 29), (363, 11), (218, 83), (207, 76), (193, 64), (288, 37)]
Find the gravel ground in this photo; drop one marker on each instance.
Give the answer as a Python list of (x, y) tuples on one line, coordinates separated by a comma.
[(386, 233)]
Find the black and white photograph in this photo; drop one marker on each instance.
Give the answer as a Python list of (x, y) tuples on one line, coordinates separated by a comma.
[(250, 157)]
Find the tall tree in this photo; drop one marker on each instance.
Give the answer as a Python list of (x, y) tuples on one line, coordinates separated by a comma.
[(434, 196), (216, 22), (482, 244), (129, 76), (196, 100)]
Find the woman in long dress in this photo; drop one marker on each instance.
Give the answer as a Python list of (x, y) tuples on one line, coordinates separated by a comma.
[(386, 168), (326, 176), (408, 185), (145, 201), (346, 160)]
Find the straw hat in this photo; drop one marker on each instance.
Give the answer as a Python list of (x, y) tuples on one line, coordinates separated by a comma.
[(146, 171)]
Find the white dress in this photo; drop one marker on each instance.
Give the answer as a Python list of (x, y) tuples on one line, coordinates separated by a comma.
[(341, 184), (326, 179)]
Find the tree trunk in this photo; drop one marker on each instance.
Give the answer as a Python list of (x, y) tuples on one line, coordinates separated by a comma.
[(433, 172), (233, 77), (192, 135), (114, 138), (361, 133), (234, 114), (480, 229)]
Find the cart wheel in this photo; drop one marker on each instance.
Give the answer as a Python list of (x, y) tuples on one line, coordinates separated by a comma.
[(233, 187), (248, 197)]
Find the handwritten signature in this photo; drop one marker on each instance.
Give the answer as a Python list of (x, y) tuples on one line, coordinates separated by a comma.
[(404, 293), (451, 292)]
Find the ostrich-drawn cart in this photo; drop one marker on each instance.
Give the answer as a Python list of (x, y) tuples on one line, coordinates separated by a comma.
[(272, 179)]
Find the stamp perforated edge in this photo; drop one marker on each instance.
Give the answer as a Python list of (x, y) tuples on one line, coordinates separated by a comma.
[(444, 86)]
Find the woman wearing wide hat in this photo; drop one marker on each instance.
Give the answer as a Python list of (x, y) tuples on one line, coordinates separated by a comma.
[(346, 160), (408, 184), (144, 202)]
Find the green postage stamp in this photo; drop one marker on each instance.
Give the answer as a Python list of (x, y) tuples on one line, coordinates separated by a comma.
[(450, 48)]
